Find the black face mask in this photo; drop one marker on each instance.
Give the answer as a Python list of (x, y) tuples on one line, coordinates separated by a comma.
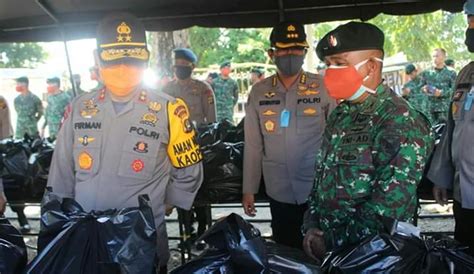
[(183, 72), (470, 40), (289, 65)]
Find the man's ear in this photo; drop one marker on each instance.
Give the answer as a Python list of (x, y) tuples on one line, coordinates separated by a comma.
[(270, 53)]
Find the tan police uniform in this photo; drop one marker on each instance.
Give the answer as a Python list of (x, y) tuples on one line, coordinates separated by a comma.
[(198, 96), (105, 159)]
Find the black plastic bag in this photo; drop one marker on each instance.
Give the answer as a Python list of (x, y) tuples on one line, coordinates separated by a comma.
[(436, 255), (222, 165), (288, 260), (377, 254), (237, 247), (222, 131), (210, 261), (112, 241), (13, 255), (385, 253)]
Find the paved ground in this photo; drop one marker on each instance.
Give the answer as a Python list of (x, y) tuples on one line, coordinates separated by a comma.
[(426, 225)]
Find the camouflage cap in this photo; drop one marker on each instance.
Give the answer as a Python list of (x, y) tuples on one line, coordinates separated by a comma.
[(23, 80), (409, 68), (121, 39)]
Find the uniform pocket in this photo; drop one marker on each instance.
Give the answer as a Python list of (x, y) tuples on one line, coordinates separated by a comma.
[(355, 172), (139, 157), (309, 119)]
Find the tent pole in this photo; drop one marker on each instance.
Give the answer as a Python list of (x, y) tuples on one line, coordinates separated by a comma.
[(58, 24), (281, 10), (68, 59)]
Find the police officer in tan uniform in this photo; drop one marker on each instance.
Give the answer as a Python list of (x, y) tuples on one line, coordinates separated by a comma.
[(124, 141), (5, 122), (285, 118), (5, 132), (198, 95), (452, 166)]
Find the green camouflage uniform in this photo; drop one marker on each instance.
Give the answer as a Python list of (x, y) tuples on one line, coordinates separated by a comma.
[(417, 98), (29, 110), (55, 111), (371, 160), (227, 94), (442, 79)]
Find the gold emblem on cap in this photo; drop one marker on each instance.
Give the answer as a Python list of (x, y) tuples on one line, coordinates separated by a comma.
[(124, 31), (332, 41), (291, 28)]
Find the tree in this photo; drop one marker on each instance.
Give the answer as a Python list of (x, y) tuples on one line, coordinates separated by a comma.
[(21, 55), (418, 35), (213, 46), (162, 45)]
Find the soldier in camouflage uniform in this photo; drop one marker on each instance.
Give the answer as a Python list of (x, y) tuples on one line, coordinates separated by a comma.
[(412, 90), (438, 84), (57, 102), (374, 148), (226, 91), (28, 108), (77, 82)]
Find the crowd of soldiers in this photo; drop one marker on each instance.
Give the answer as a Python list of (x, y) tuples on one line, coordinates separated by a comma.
[(338, 153), (431, 90)]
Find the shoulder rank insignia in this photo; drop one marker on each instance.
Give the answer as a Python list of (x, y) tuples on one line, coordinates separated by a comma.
[(454, 109), (154, 106), (269, 112), (310, 111), (270, 94), (90, 109), (142, 96), (85, 140), (269, 126), (102, 95), (149, 119)]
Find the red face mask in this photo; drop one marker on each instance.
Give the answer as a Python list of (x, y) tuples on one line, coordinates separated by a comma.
[(51, 88), (345, 82), (225, 71), (20, 88)]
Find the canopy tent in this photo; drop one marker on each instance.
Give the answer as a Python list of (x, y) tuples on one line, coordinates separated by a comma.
[(38, 20)]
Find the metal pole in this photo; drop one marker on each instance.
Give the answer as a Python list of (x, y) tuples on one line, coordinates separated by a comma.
[(281, 10), (58, 24), (71, 78)]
